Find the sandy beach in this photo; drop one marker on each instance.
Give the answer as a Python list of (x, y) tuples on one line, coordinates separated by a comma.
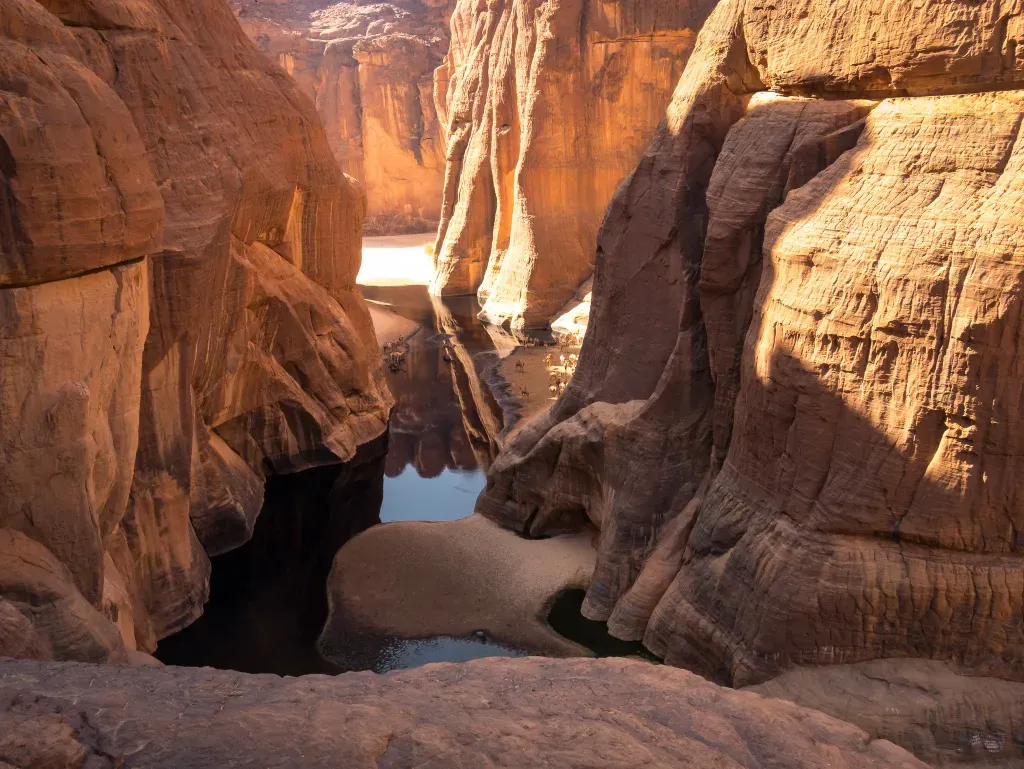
[(419, 579)]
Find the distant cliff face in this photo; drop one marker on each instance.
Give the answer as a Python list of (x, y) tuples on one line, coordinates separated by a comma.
[(547, 107), (797, 415), (370, 71), (178, 315)]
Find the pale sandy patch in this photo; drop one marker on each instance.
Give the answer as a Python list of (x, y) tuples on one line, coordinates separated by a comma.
[(420, 579), (397, 260)]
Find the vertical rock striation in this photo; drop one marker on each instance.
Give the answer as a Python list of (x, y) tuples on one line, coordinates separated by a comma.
[(548, 106), (370, 70), (178, 315), (795, 414)]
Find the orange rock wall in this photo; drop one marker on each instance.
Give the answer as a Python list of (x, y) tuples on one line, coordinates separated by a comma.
[(177, 263), (369, 69), (547, 108), (794, 414)]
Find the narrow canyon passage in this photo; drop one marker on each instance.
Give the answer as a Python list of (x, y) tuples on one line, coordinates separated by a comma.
[(269, 598)]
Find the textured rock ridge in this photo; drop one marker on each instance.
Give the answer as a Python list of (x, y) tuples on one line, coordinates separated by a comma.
[(814, 460), (547, 106), (492, 712), (177, 312), (923, 705), (370, 70)]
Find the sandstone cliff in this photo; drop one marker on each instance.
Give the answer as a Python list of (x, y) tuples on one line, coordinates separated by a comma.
[(796, 415), (548, 107), (178, 315), (370, 70), (496, 713)]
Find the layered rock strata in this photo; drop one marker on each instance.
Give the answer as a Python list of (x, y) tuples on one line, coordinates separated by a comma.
[(178, 315), (944, 718), (493, 712), (548, 107), (794, 416), (370, 70)]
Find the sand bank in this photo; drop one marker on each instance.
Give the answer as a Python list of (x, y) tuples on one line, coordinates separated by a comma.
[(419, 579)]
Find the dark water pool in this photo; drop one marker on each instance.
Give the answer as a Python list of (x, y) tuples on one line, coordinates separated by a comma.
[(567, 620), (268, 600)]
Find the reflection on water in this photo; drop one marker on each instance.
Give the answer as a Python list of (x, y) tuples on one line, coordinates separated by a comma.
[(399, 654), (444, 422), (450, 495), (268, 599)]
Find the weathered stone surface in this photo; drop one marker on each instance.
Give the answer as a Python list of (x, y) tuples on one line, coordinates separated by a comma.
[(77, 193), (880, 366), (944, 718), (547, 108), (42, 613), (369, 68), (178, 315), (71, 353), (814, 460), (842, 46), (502, 713)]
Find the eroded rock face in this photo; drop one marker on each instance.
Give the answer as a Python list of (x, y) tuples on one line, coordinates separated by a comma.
[(519, 713), (178, 315), (944, 718), (370, 70), (794, 415), (547, 107)]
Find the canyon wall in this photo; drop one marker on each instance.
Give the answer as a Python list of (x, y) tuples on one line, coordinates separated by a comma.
[(548, 106), (370, 71), (796, 416), (178, 314)]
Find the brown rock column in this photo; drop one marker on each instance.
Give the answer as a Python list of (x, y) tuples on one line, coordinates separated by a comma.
[(548, 108)]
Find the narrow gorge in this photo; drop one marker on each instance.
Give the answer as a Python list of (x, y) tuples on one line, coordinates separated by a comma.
[(511, 384)]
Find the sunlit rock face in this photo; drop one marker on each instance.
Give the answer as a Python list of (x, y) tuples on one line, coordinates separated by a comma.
[(547, 106), (795, 417), (178, 315), (370, 70)]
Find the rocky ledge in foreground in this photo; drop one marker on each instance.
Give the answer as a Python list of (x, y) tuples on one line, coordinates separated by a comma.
[(495, 712)]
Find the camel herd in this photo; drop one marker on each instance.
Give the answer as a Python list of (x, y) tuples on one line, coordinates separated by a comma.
[(560, 368), (394, 354)]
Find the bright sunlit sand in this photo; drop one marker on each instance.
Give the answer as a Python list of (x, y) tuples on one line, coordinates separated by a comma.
[(397, 260)]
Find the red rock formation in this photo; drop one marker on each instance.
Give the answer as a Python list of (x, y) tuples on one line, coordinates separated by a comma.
[(494, 712), (547, 106), (177, 261), (369, 68), (794, 417)]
